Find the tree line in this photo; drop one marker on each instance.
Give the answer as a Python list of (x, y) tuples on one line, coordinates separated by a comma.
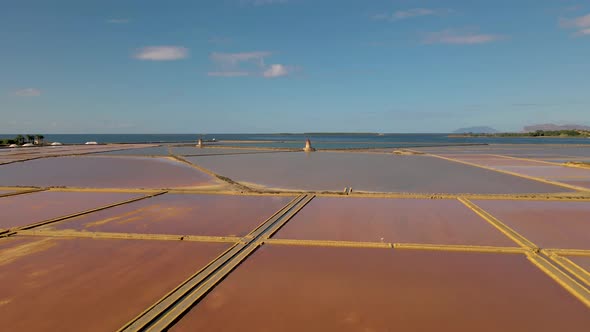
[(22, 139), (537, 133)]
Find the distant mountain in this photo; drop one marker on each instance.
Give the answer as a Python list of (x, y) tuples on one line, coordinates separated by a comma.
[(476, 130), (551, 126)]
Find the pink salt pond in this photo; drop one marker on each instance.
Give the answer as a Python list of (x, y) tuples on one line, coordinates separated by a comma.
[(392, 220), (183, 214), (26, 209), (548, 224), (283, 288), (103, 172), (65, 284)]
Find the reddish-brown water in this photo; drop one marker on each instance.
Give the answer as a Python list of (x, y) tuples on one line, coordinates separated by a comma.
[(194, 151), (32, 208), (491, 161), (520, 150), (103, 172), (216, 215), (392, 220), (501, 162), (585, 184), (581, 261), (548, 172), (51, 151), (548, 224), (284, 288), (530, 168), (88, 284)]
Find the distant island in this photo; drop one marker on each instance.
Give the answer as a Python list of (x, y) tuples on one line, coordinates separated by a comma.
[(542, 130)]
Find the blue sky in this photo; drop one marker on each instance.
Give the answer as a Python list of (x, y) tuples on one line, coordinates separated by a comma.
[(204, 66)]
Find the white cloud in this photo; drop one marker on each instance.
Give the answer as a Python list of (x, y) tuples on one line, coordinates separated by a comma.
[(581, 24), (28, 92), (451, 36), (263, 2), (276, 70), (576, 22), (246, 64), (232, 59), (118, 20), (162, 53), (411, 13)]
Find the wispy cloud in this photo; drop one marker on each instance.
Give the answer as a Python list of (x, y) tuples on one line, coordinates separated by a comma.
[(233, 59), (576, 22), (263, 2), (573, 8), (276, 70), (581, 24), (162, 53), (118, 20), (28, 92), (246, 64), (459, 37), (411, 13)]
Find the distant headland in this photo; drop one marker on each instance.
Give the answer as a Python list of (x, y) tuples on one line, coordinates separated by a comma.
[(541, 130)]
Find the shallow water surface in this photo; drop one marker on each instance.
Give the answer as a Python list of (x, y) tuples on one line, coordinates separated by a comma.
[(392, 220), (284, 288), (548, 224), (184, 214), (26, 209), (103, 172), (366, 172), (90, 284)]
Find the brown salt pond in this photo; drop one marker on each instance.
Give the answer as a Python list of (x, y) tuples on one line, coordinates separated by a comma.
[(548, 224), (581, 261), (549, 172), (585, 184), (47, 151), (283, 288), (536, 151), (144, 151), (26, 209), (194, 151), (182, 214), (90, 284), (492, 161), (103, 172), (392, 221), (366, 172)]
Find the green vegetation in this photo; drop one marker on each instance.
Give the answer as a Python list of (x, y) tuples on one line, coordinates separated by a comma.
[(537, 133), (22, 139)]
